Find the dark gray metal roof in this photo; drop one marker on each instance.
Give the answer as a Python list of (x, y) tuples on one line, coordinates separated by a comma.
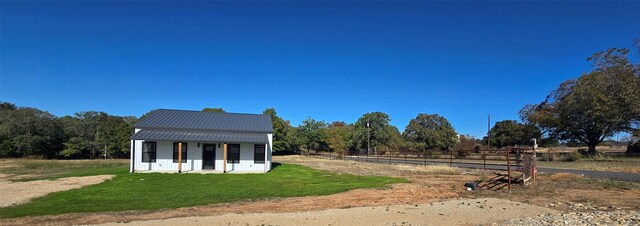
[(199, 120), (199, 136)]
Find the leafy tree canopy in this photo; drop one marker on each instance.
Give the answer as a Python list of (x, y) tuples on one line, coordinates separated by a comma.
[(594, 106), (312, 134), (511, 133), (377, 130), (26, 131), (339, 136), (430, 131), (213, 110), (282, 137)]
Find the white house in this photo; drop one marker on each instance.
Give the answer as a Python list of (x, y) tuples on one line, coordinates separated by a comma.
[(219, 142)]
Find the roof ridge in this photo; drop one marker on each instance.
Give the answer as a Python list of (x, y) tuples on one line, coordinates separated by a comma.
[(230, 113), (185, 129)]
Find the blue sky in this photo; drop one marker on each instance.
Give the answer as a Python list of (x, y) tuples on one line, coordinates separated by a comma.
[(328, 60)]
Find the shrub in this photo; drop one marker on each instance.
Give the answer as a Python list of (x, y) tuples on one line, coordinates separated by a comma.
[(462, 153), (572, 157)]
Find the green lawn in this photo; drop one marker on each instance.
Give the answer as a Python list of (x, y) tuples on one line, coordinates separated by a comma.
[(143, 191)]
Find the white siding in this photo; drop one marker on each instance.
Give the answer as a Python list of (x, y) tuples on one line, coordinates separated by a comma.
[(246, 160), (164, 158)]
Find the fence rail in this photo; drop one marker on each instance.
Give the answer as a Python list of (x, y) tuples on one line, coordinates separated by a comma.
[(503, 160), (481, 160)]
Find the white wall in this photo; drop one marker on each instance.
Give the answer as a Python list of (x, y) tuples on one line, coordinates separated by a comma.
[(164, 158)]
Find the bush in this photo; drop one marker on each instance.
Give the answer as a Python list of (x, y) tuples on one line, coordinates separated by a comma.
[(462, 153), (572, 157)]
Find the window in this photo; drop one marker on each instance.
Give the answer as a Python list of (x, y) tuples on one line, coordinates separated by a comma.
[(148, 151), (175, 152), (258, 153), (234, 153)]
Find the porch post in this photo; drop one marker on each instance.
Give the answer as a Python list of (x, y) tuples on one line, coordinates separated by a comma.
[(265, 157), (224, 159), (179, 157)]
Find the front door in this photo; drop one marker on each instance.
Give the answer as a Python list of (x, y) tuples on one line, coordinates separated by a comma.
[(208, 156)]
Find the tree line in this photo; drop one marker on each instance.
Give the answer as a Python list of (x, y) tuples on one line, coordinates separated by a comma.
[(585, 110), (31, 132)]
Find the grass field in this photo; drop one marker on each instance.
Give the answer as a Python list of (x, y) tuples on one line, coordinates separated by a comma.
[(36, 169), (145, 191)]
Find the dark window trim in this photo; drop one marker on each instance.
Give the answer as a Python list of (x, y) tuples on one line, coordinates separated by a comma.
[(232, 156), (256, 154), (155, 151), (175, 152)]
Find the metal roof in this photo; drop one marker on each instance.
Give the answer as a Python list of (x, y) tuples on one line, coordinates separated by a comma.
[(198, 136), (199, 120)]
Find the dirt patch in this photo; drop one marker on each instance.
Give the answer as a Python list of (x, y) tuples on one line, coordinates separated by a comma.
[(568, 192), (14, 193), (454, 212)]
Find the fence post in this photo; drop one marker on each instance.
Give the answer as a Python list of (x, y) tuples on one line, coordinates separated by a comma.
[(450, 158), (484, 158), (377, 158), (509, 169), (405, 158), (425, 159), (389, 158)]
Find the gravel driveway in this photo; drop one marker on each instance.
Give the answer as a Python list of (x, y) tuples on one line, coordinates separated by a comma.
[(452, 212)]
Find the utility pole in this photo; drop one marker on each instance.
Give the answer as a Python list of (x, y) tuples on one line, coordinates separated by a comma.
[(368, 137), (489, 132)]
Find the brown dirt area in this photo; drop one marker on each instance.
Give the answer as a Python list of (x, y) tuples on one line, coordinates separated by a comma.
[(428, 185), (14, 193), (453, 212)]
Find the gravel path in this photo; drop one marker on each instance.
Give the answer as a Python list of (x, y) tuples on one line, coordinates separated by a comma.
[(453, 212), (620, 217)]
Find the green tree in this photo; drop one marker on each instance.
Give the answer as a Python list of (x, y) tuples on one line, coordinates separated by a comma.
[(113, 135), (430, 131), (511, 133), (281, 131), (594, 106), (377, 132), (312, 134), (213, 110), (396, 141), (26, 131), (465, 145), (81, 129), (339, 136)]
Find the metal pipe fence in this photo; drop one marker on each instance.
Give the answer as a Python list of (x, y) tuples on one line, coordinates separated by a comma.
[(496, 160)]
